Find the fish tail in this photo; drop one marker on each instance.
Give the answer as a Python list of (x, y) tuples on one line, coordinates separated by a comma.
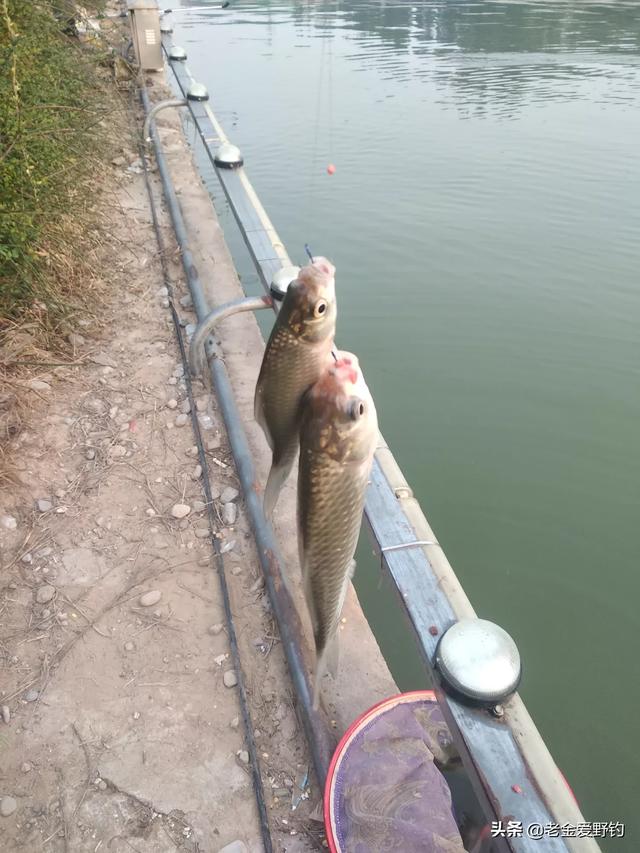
[(321, 668), (278, 474), (328, 645)]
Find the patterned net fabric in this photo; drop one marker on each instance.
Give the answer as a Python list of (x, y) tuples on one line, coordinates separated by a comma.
[(385, 792)]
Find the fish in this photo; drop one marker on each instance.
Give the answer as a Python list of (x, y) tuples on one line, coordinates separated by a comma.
[(298, 350), (338, 437)]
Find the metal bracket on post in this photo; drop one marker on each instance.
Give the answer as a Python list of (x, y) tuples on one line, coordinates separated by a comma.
[(163, 105), (197, 355)]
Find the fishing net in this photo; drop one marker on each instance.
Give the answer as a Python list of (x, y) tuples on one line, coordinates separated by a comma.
[(384, 792)]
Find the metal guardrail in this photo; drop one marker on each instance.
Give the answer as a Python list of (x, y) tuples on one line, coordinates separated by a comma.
[(505, 757)]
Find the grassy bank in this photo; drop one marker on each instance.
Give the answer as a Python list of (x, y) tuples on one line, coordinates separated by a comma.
[(55, 100)]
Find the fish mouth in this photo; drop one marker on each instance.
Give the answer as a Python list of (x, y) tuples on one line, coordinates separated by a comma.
[(346, 368)]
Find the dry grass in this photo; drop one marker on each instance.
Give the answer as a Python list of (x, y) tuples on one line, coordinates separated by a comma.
[(71, 270)]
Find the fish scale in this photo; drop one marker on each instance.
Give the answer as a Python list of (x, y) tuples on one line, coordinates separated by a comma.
[(331, 499)]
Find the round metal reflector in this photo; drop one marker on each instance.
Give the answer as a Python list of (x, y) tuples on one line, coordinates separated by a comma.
[(479, 661), (281, 281), (197, 92), (228, 156), (177, 54)]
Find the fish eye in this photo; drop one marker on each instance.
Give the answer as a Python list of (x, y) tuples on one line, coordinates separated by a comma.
[(320, 308), (356, 410)]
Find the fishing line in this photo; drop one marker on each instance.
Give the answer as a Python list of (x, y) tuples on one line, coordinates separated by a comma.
[(314, 154)]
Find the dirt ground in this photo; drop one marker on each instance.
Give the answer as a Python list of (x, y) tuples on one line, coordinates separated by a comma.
[(121, 727), (118, 728)]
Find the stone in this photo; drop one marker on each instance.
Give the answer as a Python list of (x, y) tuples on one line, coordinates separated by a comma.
[(27, 558), (206, 422), (118, 161), (172, 404), (7, 806), (257, 584), (9, 523), (202, 403), (31, 695), (228, 494), (103, 360), (42, 553), (202, 533), (172, 381), (180, 510), (90, 453), (214, 443), (6, 714), (95, 404), (186, 301), (182, 420), (234, 847), (243, 755), (27, 767), (185, 407), (38, 385), (129, 646), (148, 599), (236, 570), (199, 506), (230, 678), (162, 292), (235, 722), (229, 513), (45, 594), (197, 472), (44, 505), (216, 629), (75, 339), (189, 330)]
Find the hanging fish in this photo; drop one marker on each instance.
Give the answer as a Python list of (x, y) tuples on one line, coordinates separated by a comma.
[(338, 437), (297, 352)]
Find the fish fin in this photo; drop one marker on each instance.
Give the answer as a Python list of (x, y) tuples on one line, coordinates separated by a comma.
[(328, 656), (259, 415), (321, 668), (332, 656), (278, 474), (275, 481)]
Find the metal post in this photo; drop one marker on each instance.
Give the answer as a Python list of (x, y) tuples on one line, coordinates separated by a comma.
[(163, 105), (205, 327)]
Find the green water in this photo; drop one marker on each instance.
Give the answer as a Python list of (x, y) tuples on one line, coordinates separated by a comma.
[(484, 219)]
